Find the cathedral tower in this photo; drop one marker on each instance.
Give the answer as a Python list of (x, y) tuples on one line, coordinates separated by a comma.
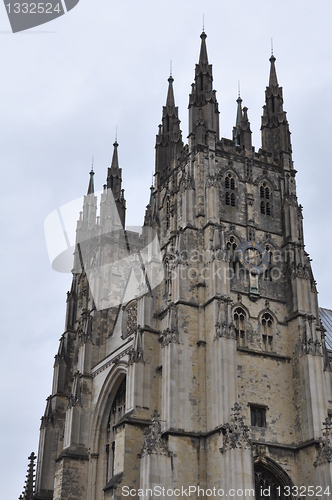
[(193, 353)]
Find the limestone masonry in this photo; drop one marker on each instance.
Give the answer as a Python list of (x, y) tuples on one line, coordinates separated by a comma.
[(193, 353)]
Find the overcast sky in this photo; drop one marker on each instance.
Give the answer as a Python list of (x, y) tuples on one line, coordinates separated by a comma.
[(67, 85)]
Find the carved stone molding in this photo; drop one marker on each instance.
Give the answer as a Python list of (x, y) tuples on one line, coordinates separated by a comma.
[(153, 443), (324, 454), (236, 433)]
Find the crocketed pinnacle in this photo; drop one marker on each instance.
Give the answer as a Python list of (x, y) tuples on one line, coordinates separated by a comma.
[(273, 82), (170, 94), (115, 160), (203, 57), (91, 188)]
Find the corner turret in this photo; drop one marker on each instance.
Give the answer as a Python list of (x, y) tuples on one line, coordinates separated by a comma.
[(275, 128), (169, 139), (114, 183), (242, 131), (203, 105)]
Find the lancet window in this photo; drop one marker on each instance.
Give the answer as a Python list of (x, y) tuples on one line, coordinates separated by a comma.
[(230, 187), (118, 409), (240, 323), (267, 331)]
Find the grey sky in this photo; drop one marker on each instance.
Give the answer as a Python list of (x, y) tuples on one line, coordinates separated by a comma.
[(65, 86)]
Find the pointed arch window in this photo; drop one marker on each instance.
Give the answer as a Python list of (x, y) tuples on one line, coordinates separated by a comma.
[(265, 196), (240, 323), (230, 187), (117, 411), (267, 322), (268, 481)]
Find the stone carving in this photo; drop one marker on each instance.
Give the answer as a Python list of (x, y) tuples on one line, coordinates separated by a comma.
[(325, 444), (212, 181), (153, 443), (170, 334), (130, 319), (136, 352), (309, 345), (187, 182), (84, 329), (76, 391), (236, 433), (224, 328)]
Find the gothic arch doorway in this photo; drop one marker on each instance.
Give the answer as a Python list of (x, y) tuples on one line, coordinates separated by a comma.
[(270, 481)]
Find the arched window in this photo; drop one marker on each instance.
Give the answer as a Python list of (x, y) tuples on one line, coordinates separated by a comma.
[(265, 195), (270, 485), (240, 322), (230, 186), (118, 409), (267, 331)]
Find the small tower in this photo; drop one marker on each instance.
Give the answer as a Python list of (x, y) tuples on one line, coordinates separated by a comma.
[(203, 105), (242, 131), (169, 138), (275, 128)]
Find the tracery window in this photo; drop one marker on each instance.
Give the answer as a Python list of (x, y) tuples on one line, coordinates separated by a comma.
[(230, 186), (267, 486), (265, 196), (267, 331), (240, 323), (118, 409)]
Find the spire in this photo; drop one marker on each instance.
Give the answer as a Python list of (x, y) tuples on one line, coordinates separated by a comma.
[(149, 212), (115, 160), (114, 183), (170, 93), (238, 121), (203, 105), (169, 139), (275, 128), (203, 57), (114, 174), (30, 481), (91, 188), (273, 74), (241, 131)]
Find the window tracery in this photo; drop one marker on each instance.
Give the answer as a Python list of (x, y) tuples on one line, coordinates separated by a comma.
[(240, 323), (118, 409), (267, 331)]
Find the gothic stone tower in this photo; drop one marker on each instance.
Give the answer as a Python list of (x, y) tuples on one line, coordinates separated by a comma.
[(219, 376)]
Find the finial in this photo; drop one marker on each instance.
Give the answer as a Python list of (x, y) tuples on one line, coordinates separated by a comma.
[(203, 23), (92, 163), (116, 134), (238, 87), (152, 179), (271, 46), (170, 68)]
